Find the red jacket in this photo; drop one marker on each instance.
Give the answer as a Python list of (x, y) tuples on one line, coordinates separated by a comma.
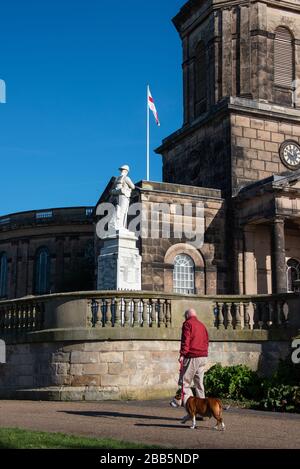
[(194, 339)]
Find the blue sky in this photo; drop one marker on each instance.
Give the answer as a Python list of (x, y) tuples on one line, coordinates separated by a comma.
[(76, 75)]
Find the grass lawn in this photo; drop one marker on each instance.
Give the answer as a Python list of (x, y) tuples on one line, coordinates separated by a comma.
[(16, 438)]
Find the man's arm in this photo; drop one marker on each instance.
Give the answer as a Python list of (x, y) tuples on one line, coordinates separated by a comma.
[(129, 182), (185, 340)]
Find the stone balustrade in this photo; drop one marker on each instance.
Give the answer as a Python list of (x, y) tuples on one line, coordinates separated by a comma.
[(146, 311), (124, 345), (259, 312), (118, 311), (21, 316)]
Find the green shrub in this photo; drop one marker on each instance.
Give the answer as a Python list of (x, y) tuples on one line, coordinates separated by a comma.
[(284, 398), (233, 382), (280, 392)]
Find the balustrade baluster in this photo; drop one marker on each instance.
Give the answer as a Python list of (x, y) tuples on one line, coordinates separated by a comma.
[(127, 319), (283, 313), (118, 312), (9, 317), (98, 313), (222, 316), (237, 319), (144, 306), (273, 313), (161, 312), (135, 322), (216, 315), (33, 314), (29, 318), (265, 315), (228, 315), (247, 316), (155, 308), (168, 313), (108, 313), (256, 316), (286, 312)]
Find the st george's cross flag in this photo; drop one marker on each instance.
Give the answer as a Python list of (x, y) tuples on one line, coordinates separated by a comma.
[(152, 107)]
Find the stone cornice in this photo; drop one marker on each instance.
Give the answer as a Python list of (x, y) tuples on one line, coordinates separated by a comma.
[(192, 6), (172, 139), (272, 185), (264, 109), (233, 104), (172, 333)]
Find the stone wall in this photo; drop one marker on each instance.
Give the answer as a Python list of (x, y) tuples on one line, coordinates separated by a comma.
[(158, 251), (255, 144), (200, 155), (100, 370), (68, 234), (238, 38)]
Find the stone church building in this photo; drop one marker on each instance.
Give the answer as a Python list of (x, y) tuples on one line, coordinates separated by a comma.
[(237, 155)]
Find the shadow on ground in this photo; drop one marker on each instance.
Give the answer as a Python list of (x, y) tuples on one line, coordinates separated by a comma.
[(117, 415)]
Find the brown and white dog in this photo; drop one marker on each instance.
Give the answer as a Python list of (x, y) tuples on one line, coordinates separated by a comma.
[(205, 407)]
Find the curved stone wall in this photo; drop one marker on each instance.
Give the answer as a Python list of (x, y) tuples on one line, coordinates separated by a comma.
[(68, 236), (126, 369)]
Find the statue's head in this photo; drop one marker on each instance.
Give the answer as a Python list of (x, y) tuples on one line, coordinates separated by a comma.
[(124, 169)]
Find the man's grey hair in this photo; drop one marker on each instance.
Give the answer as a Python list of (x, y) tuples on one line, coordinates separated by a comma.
[(190, 313)]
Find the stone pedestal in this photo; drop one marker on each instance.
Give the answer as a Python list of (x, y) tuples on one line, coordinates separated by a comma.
[(119, 262)]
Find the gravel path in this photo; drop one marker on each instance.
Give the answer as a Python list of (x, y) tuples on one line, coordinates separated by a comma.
[(153, 422)]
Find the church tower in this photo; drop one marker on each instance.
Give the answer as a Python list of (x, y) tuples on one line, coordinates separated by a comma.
[(241, 71)]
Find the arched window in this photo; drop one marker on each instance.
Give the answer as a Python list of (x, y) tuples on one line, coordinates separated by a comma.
[(42, 271), (200, 79), (283, 58), (3, 275), (184, 274), (293, 274)]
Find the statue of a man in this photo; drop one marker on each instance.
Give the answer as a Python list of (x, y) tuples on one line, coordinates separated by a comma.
[(121, 192)]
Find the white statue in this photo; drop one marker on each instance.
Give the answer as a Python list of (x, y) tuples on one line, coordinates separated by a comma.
[(121, 192)]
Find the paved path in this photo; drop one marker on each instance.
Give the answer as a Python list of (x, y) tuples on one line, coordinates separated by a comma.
[(153, 422)]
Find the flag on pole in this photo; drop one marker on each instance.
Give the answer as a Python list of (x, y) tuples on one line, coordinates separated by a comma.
[(152, 107)]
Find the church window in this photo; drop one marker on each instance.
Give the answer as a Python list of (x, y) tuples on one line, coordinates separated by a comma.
[(184, 274), (42, 271), (293, 274), (3, 275), (283, 58)]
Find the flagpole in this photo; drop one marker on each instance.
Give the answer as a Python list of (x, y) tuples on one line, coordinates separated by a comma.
[(148, 137)]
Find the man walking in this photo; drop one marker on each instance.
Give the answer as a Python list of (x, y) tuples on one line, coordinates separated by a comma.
[(193, 355)]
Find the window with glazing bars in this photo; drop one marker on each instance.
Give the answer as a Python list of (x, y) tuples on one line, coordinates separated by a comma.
[(184, 274)]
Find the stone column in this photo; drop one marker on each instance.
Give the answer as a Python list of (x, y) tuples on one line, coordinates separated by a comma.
[(250, 271), (217, 56), (245, 52), (227, 52), (278, 256), (238, 263)]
